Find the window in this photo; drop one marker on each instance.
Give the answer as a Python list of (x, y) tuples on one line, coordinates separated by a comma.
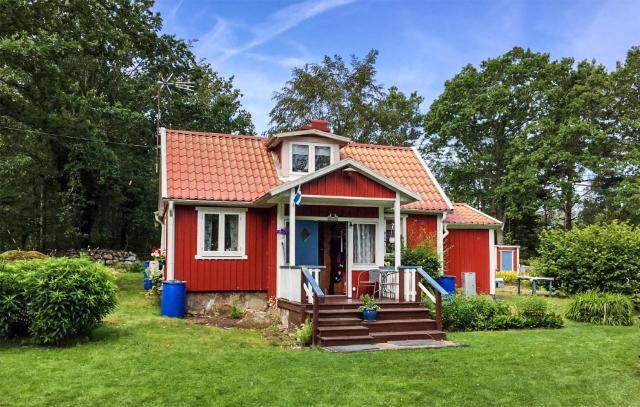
[(300, 158), (221, 233), (364, 243), (323, 157), (309, 157)]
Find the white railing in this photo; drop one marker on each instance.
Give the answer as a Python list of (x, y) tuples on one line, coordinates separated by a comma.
[(290, 285), (391, 284), (289, 281)]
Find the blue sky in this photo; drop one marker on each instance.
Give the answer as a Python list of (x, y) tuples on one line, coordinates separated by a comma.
[(421, 43)]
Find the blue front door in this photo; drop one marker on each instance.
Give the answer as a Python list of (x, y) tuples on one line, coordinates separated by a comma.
[(506, 260), (307, 243)]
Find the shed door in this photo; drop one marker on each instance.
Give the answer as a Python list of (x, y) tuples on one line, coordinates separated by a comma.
[(506, 260)]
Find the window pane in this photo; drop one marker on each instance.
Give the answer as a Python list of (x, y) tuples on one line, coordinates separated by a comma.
[(300, 158), (364, 244), (211, 222), (231, 232), (323, 157)]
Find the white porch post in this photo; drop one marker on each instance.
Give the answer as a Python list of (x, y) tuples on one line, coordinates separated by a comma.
[(292, 228), (397, 230), (440, 241), (380, 237), (280, 224)]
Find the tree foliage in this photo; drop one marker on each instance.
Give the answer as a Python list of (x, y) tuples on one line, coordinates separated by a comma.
[(538, 142), (77, 119), (351, 100)]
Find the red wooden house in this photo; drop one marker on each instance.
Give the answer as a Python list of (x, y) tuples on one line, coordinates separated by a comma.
[(263, 217)]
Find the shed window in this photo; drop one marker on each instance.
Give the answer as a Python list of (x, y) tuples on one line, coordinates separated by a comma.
[(221, 233)]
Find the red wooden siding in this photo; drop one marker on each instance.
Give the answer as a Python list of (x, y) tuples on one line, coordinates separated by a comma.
[(339, 183), (467, 250), (341, 211), (421, 228), (256, 273)]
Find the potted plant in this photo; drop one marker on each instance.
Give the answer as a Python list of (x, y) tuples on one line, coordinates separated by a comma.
[(369, 308)]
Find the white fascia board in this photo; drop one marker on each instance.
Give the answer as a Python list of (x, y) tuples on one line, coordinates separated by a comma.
[(483, 214), (276, 138), (163, 162)]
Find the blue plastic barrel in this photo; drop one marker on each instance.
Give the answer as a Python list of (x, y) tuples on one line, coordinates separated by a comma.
[(448, 283), (148, 283), (174, 294)]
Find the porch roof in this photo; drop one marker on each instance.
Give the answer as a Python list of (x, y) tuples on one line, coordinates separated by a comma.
[(406, 195)]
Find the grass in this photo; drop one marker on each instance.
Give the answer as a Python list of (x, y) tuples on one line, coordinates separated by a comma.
[(140, 358)]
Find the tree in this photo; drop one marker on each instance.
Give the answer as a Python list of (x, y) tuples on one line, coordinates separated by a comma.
[(351, 99), (519, 137), (77, 120)]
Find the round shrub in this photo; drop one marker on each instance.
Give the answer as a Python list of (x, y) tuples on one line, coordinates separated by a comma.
[(601, 308), (425, 255), (55, 298), (11, 255), (596, 257)]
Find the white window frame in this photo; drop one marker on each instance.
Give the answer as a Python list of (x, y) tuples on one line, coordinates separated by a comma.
[(222, 254), (312, 156), (376, 254)]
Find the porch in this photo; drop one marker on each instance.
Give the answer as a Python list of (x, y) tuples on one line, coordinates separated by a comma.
[(338, 322)]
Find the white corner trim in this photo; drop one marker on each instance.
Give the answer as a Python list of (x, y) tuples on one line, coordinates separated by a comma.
[(440, 242), (492, 262), (479, 212), (163, 161), (433, 179), (171, 254)]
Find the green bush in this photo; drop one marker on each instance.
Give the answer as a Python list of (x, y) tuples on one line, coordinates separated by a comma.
[(477, 313), (304, 334), (601, 308), (597, 257), (425, 255), (460, 313), (14, 319), (64, 297)]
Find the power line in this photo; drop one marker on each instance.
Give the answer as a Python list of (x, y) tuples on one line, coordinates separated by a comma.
[(76, 138)]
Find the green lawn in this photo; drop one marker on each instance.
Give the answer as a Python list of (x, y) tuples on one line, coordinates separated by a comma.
[(139, 358)]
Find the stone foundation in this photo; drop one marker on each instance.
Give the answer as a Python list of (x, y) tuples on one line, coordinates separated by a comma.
[(214, 302), (105, 256)]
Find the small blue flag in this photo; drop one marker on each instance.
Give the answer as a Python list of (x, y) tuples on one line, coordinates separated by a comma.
[(297, 198)]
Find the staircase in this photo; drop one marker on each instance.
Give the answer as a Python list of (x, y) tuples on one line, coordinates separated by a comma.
[(341, 323)]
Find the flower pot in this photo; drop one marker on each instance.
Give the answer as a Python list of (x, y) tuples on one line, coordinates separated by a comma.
[(369, 314), (148, 283)]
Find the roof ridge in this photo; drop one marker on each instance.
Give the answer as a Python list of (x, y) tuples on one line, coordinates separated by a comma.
[(213, 134), (380, 146)]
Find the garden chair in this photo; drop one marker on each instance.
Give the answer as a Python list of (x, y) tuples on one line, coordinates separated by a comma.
[(369, 279)]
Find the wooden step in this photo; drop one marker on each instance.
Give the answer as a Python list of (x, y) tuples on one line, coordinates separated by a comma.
[(346, 340), (339, 321), (346, 330), (400, 325), (407, 335), (352, 306)]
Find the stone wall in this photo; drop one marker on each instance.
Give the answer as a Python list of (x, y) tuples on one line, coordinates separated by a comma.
[(105, 256)]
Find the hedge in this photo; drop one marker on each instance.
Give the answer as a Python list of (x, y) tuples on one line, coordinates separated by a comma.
[(55, 299), (597, 257)]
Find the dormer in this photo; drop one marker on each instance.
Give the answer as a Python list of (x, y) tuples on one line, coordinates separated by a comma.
[(306, 150)]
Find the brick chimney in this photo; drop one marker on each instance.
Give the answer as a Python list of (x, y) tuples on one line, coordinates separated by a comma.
[(317, 124)]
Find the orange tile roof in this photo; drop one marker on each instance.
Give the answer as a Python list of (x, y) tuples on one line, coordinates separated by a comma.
[(463, 214), (223, 167), (404, 166), (218, 167)]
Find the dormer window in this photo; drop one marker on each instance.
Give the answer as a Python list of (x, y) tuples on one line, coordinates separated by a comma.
[(309, 157)]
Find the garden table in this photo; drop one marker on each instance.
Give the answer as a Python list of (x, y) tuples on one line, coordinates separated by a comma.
[(534, 281)]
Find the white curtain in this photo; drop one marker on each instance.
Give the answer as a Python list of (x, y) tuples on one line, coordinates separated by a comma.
[(364, 243)]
